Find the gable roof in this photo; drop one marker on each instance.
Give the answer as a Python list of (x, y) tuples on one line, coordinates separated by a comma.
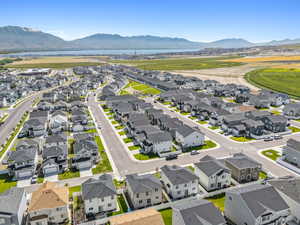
[(241, 161), (261, 198), (142, 183), (199, 212), (178, 175), (185, 130), (10, 200), (49, 196), (211, 166), (98, 188)]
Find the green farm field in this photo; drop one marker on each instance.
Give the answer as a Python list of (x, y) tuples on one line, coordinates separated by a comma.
[(277, 79), (180, 64)]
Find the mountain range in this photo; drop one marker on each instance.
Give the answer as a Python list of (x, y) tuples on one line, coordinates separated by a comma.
[(23, 38)]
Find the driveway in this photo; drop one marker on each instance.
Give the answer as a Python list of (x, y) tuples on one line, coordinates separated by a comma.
[(24, 183), (86, 173), (52, 178)]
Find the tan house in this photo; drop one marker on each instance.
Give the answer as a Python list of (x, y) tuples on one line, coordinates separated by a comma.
[(140, 217), (49, 204)]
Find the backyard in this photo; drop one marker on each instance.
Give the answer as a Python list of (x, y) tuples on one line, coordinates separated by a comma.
[(218, 201)]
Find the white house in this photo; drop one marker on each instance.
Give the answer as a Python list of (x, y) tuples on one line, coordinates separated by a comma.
[(99, 195), (179, 182), (256, 204), (189, 137), (212, 173)]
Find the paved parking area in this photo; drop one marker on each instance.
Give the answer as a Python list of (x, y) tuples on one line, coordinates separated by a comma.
[(86, 173)]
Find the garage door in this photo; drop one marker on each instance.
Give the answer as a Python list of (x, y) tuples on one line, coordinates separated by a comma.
[(50, 171), (24, 174), (85, 165)]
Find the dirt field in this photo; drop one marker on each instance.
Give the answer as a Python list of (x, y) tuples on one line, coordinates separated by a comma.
[(64, 59), (224, 75)]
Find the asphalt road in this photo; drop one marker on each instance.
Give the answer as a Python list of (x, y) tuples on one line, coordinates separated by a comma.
[(125, 164)]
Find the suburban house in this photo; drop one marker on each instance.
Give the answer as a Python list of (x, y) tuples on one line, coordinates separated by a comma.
[(179, 182), (243, 169), (188, 137), (22, 163), (99, 195), (291, 152), (292, 111), (49, 205), (288, 188), (275, 123), (212, 173), (58, 122), (143, 190), (13, 206), (256, 205), (158, 143), (197, 212)]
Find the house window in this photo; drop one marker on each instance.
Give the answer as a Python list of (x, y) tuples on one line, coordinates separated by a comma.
[(185, 185), (156, 189), (90, 209), (112, 197), (109, 204), (141, 201), (102, 199), (178, 192), (62, 216), (176, 187), (137, 195), (147, 193)]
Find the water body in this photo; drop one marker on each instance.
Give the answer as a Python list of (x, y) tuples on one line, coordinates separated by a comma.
[(97, 52)]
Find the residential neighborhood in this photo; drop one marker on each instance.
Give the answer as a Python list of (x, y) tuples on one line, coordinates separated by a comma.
[(113, 144)]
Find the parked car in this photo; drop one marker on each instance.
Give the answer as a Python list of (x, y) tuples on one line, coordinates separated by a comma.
[(171, 157), (277, 137), (269, 139), (195, 152), (33, 179)]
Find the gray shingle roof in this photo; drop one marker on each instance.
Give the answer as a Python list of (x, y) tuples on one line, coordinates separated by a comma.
[(241, 161), (159, 137), (186, 130), (199, 212), (98, 188), (56, 138), (10, 200), (22, 155), (260, 198), (211, 166), (290, 187), (143, 183), (178, 175), (293, 143)]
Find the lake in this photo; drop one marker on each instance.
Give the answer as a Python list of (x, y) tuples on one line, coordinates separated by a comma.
[(96, 52)]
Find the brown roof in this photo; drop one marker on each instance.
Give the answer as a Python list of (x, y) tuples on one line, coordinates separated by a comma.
[(141, 217), (246, 108), (49, 196)]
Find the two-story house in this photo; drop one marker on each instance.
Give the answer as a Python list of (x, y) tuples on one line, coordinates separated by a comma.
[(143, 190), (99, 195), (188, 137), (256, 205), (179, 182), (291, 152), (212, 173)]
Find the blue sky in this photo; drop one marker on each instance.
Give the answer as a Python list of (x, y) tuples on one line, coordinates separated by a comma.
[(197, 20)]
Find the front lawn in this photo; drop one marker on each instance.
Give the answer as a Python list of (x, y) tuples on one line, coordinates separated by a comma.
[(166, 215), (294, 129), (214, 127), (218, 201), (94, 130), (202, 122), (114, 122), (69, 174), (6, 183), (193, 117), (104, 165), (122, 133), (119, 127), (134, 147), (271, 154), (262, 175), (127, 140), (185, 113), (242, 139), (275, 112), (119, 184), (208, 144), (140, 156)]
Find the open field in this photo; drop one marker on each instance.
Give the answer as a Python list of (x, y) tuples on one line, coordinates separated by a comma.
[(134, 87), (278, 79), (265, 59), (54, 62), (179, 63)]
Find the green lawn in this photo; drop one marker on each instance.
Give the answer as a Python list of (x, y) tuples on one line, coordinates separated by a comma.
[(127, 140), (214, 127), (262, 175), (167, 216), (122, 205), (275, 112), (134, 147), (278, 79), (122, 133), (68, 175), (193, 117), (218, 201), (104, 164), (180, 63), (40, 180), (202, 122), (120, 127), (141, 88), (185, 113), (271, 154), (294, 129), (123, 92), (119, 184), (208, 144), (6, 183), (52, 65), (74, 189), (242, 139), (191, 168), (114, 122), (140, 156), (94, 130)]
